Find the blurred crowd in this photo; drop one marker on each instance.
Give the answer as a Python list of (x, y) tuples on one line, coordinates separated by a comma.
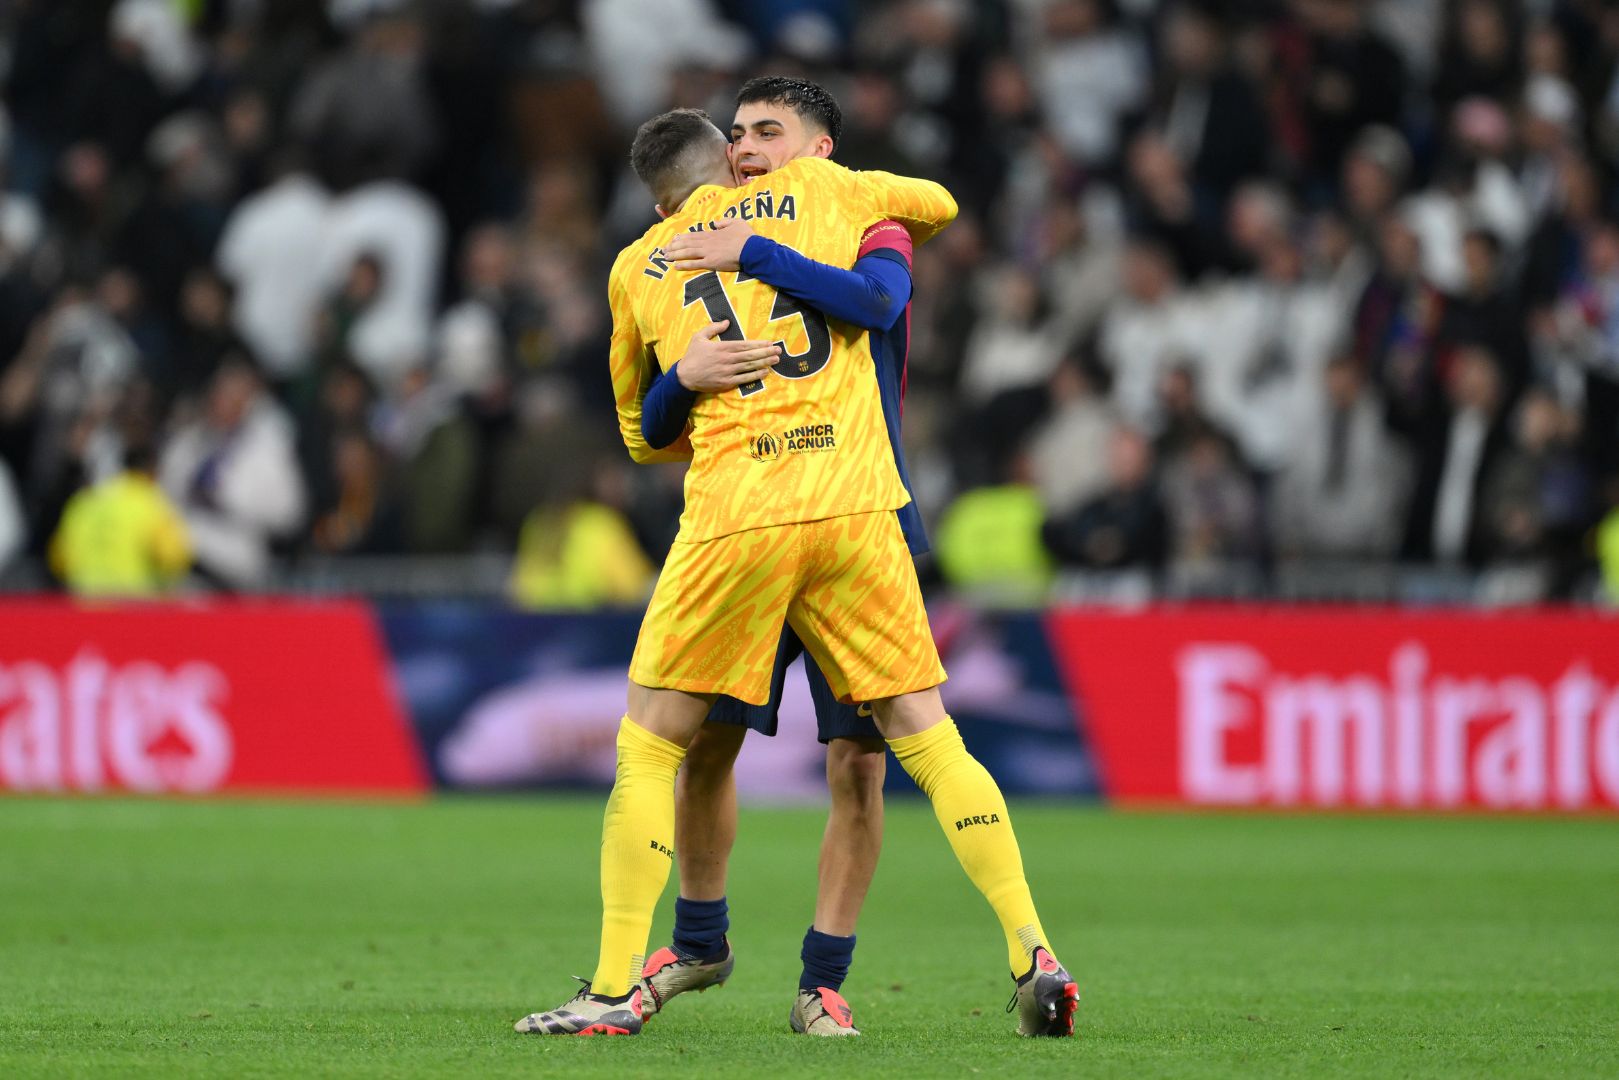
[(1234, 284)]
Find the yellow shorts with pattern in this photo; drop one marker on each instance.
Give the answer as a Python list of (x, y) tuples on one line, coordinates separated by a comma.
[(846, 585)]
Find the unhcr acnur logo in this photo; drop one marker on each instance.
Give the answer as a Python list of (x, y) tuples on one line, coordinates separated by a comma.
[(764, 447)]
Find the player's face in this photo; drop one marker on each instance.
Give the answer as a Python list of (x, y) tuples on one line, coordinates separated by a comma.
[(765, 137)]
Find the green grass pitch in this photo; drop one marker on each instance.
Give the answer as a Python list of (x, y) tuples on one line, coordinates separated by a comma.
[(166, 939)]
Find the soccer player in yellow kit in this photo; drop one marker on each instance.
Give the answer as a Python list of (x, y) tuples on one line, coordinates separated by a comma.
[(789, 515), (778, 118)]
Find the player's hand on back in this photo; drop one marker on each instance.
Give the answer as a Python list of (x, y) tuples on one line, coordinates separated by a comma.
[(713, 365), (716, 248)]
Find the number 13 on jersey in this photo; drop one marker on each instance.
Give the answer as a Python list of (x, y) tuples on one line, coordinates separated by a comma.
[(709, 290)]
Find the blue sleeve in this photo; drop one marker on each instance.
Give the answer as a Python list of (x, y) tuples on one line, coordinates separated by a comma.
[(665, 409), (872, 295)]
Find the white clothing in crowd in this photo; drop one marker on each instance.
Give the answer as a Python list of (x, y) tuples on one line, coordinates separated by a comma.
[(1068, 454), (1441, 220), (1458, 484), (1141, 342), (269, 251), (1085, 85), (1004, 356), (1261, 359), (1343, 490), (239, 491), (404, 231), (638, 45), (13, 529)]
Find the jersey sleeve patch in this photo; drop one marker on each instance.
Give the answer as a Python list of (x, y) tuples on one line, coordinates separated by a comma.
[(886, 236)]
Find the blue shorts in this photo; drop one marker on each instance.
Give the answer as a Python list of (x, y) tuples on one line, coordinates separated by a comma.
[(833, 719)]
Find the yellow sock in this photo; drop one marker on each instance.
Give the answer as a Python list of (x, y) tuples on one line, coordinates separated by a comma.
[(972, 811), (638, 842)]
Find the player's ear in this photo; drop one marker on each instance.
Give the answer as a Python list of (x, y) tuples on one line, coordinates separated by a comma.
[(822, 146), (661, 211)]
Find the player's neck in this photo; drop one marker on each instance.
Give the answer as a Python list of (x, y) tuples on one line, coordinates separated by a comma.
[(718, 178)]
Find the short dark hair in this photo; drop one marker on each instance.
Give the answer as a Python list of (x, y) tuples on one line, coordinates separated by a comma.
[(809, 100), (661, 144)]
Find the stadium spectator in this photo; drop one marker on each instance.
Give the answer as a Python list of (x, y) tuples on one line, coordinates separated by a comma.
[(1486, 311), (234, 473), (1090, 74), (1269, 336), (441, 454), (949, 276), (493, 300), (366, 113), (1535, 496), (204, 339), (1184, 416), (1123, 527), (988, 541), (1214, 506), (1010, 160), (1165, 206), (558, 212), (1245, 191), (346, 403), (1394, 324), (577, 326), (337, 320), (1345, 78), (112, 93), (1078, 255), (122, 537), (120, 294), (394, 223), (1343, 491), (1549, 132), (1207, 111), (268, 251), (1338, 264), (1556, 248), (176, 224), (633, 68), (57, 399), (1586, 325), (361, 518), (1151, 327), (1478, 57), (1010, 357), (578, 551), (941, 50), (1068, 452), (1453, 460), (1374, 176), (874, 136)]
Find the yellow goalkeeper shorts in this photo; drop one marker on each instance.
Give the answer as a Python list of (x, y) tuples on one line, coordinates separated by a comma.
[(847, 585)]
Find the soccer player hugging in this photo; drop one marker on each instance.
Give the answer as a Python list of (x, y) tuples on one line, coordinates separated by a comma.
[(755, 335)]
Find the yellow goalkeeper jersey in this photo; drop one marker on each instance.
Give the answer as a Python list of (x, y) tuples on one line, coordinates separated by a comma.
[(807, 441)]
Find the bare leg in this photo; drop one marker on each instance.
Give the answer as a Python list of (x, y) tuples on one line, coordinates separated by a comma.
[(669, 714), (854, 832), (908, 714), (705, 810)]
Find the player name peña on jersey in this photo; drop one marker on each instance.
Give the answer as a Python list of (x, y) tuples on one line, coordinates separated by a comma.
[(761, 204)]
